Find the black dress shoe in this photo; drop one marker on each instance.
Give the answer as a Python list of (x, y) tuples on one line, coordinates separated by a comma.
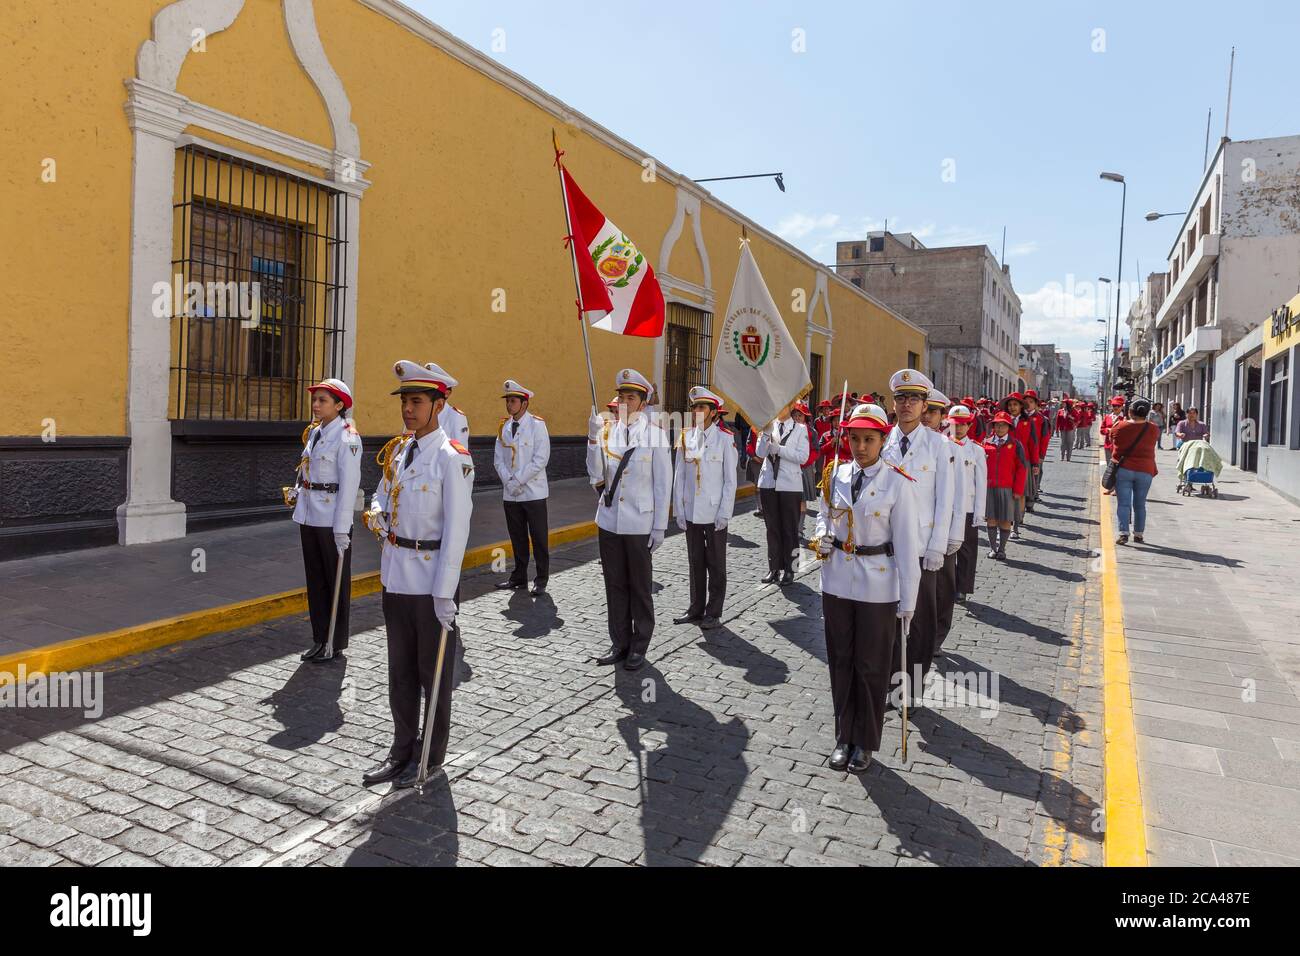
[(315, 651), (771, 577), (325, 657), (787, 577), (840, 756), (411, 774), (539, 587), (390, 768), (510, 585), (710, 623), (1001, 555), (688, 619), (612, 656), (634, 662), (860, 761)]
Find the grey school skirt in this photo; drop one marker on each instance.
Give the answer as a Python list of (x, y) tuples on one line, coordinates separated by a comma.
[(810, 482), (1000, 505)]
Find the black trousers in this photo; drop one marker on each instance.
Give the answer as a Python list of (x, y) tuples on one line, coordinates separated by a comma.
[(413, 631), (860, 641), (525, 521), (968, 557), (781, 515), (921, 637), (945, 599), (320, 560), (625, 562), (706, 553)]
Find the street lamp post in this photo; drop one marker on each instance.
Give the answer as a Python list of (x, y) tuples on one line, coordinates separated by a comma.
[(1109, 283), (779, 177), (1119, 274)]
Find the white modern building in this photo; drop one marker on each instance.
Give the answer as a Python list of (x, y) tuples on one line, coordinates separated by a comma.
[(1235, 258)]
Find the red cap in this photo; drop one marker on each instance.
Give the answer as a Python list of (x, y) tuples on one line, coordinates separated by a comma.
[(1002, 417), (869, 416), (1117, 401)]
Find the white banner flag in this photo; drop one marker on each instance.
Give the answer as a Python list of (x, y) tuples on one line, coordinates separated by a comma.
[(757, 366)]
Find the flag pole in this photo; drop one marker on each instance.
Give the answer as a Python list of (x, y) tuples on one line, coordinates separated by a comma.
[(573, 260)]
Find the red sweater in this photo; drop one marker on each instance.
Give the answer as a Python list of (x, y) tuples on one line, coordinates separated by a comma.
[(1143, 455), (1064, 421), (1026, 434), (1008, 465)]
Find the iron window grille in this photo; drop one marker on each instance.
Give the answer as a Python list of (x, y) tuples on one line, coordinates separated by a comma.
[(259, 289), (688, 354)]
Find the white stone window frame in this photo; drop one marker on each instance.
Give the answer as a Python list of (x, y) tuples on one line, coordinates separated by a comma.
[(158, 117)]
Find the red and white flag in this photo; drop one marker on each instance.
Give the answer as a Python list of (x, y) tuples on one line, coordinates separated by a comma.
[(619, 290)]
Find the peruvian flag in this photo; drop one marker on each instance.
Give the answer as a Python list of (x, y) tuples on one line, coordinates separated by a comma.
[(619, 290)]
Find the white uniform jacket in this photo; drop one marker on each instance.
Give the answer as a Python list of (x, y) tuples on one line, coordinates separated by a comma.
[(640, 503), (971, 485), (454, 425), (430, 500), (704, 481), (929, 460), (885, 511), (792, 454), (522, 458), (333, 459)]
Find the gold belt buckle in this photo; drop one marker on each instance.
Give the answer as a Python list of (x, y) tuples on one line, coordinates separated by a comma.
[(392, 538)]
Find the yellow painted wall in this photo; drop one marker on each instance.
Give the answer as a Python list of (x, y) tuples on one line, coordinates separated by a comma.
[(464, 201)]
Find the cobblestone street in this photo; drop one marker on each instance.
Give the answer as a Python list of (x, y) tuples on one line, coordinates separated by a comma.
[(227, 750)]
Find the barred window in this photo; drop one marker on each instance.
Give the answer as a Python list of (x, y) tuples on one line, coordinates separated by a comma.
[(259, 289), (688, 354)]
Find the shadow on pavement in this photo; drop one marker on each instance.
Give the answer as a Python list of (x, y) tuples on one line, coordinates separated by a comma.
[(928, 830), (689, 783), (412, 829), (1042, 706), (1006, 621), (1039, 569), (730, 649), (308, 704)]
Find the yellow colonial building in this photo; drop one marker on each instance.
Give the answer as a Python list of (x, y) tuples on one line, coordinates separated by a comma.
[(209, 204)]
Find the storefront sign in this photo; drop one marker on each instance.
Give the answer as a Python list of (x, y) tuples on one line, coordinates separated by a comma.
[(1282, 330)]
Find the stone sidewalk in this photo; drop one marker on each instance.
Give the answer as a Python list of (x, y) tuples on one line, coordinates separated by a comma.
[(227, 750), (1210, 613)]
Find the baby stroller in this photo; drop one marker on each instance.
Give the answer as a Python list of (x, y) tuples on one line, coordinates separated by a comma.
[(1198, 469)]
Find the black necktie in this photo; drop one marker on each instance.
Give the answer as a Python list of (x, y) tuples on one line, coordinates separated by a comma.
[(315, 437), (857, 485), (905, 444), (411, 451), (514, 429)]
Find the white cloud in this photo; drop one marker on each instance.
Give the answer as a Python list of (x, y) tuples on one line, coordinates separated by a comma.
[(800, 225), (1023, 248), (1066, 315)]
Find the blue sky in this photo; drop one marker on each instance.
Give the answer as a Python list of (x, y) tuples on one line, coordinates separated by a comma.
[(1029, 101)]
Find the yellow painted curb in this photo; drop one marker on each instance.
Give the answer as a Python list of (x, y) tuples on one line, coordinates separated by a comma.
[(1126, 838), (81, 652)]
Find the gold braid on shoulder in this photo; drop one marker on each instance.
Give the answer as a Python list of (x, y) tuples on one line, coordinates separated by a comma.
[(827, 482)]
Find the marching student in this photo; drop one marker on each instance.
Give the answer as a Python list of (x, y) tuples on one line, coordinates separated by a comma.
[(1008, 468), (1041, 430), (1023, 430), (523, 448), (971, 496), (1083, 431), (936, 406), (1109, 421), (1065, 423), (629, 463), (867, 538), (925, 456), (704, 497), (783, 447), (323, 498), (421, 510)]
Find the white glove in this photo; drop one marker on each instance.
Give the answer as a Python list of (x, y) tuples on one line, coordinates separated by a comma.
[(445, 608), (720, 524), (825, 545), (681, 523), (978, 521), (656, 539), (342, 542), (512, 486), (595, 424), (376, 516), (905, 619), (933, 561), (954, 545)]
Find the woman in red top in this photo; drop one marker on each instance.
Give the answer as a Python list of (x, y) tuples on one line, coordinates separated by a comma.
[(1008, 469), (1065, 423), (1135, 451), (1022, 427)]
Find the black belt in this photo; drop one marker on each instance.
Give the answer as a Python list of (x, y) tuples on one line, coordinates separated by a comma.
[(864, 550), (413, 543), (333, 489)]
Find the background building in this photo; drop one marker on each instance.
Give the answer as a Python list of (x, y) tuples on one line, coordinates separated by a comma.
[(960, 295), (1141, 321), (1054, 365), (247, 161), (1234, 260)]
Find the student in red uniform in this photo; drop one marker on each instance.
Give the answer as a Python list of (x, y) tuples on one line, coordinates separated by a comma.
[(1065, 423), (1008, 468), (1023, 430), (1112, 418), (977, 429), (1042, 434)]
